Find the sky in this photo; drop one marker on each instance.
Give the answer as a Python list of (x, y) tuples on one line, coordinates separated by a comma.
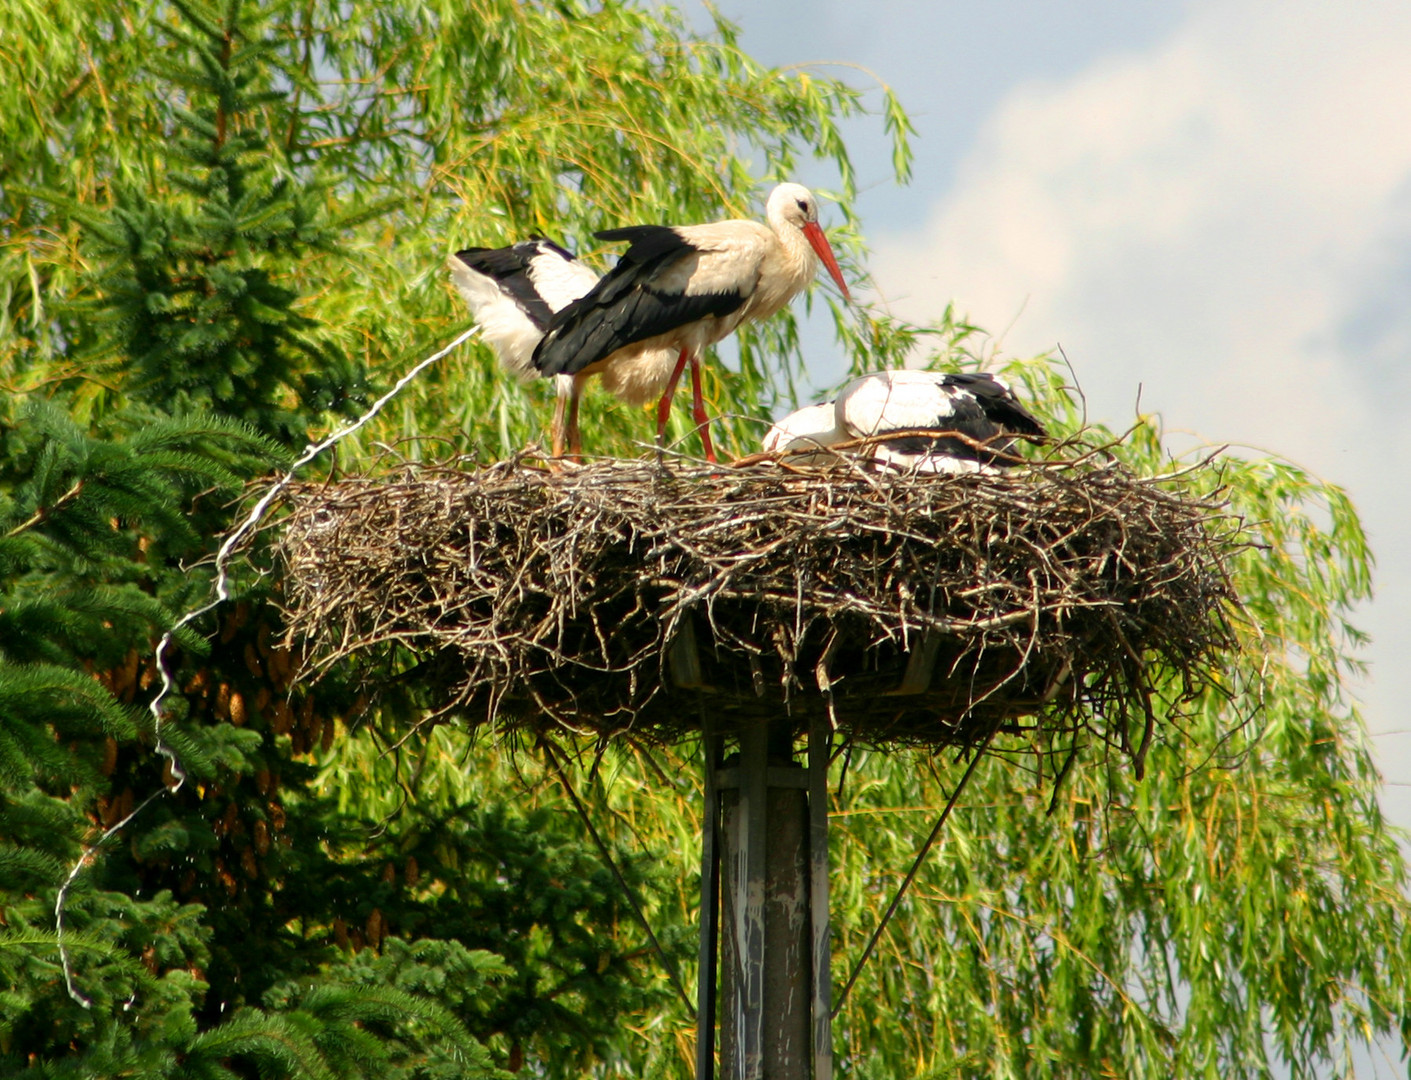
[(1204, 203)]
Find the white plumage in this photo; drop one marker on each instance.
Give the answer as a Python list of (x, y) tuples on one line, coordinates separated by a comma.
[(683, 288), (966, 420), (514, 292), (814, 427)]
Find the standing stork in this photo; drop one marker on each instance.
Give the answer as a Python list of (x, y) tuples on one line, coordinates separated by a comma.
[(513, 293), (965, 421), (685, 287)]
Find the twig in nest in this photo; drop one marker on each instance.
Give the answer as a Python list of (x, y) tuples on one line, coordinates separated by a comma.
[(1065, 590)]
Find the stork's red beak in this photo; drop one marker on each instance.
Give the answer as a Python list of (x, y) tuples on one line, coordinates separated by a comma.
[(820, 244)]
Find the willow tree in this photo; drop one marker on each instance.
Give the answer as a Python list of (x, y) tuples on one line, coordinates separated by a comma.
[(221, 224), (425, 904), (1240, 911)]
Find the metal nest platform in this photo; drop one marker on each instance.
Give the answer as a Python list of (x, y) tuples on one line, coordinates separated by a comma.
[(624, 597)]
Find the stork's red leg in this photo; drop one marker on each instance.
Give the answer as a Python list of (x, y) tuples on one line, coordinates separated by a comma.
[(698, 410), (664, 405), (557, 433)]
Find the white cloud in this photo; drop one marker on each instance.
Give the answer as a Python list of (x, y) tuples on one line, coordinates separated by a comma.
[(1186, 212), (1223, 218)]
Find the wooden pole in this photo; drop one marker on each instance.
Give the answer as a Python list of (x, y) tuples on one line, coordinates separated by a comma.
[(819, 737), (767, 1025), (710, 905), (742, 1034)]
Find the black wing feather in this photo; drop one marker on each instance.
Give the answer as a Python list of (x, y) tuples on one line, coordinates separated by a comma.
[(967, 418), (995, 403), (985, 412), (624, 307), (509, 267)]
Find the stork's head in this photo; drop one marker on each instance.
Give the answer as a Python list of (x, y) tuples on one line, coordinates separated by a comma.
[(793, 205)]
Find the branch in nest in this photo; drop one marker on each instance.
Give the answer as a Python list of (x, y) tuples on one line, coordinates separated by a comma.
[(1066, 590)]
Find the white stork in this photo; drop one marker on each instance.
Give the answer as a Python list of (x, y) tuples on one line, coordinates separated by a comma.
[(686, 287), (967, 419), (514, 291)]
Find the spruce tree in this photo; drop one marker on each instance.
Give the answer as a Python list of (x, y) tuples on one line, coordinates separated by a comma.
[(241, 924), (189, 298)]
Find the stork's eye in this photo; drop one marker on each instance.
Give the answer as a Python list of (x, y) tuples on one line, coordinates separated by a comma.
[(803, 206)]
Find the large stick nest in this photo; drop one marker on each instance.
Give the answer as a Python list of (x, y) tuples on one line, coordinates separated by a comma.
[(920, 610)]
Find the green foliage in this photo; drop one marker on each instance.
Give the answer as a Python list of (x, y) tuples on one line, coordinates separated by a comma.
[(75, 509), (89, 491), (421, 128), (513, 889), (188, 296), (1240, 913), (216, 219)]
